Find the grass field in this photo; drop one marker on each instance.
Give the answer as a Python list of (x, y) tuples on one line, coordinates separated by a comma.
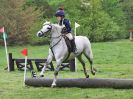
[(112, 60)]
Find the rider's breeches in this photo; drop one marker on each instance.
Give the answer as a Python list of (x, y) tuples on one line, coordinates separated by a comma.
[(70, 36)]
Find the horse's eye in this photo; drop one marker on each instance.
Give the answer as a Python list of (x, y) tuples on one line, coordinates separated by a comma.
[(49, 28)]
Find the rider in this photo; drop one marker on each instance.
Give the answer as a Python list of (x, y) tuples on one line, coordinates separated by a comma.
[(60, 15)]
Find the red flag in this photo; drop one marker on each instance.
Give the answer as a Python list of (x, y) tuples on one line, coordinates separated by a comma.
[(24, 52), (2, 29)]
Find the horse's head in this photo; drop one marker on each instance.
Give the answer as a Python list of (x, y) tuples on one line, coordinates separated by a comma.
[(47, 27)]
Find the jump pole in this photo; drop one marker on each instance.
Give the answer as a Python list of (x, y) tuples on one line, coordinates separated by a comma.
[(82, 82)]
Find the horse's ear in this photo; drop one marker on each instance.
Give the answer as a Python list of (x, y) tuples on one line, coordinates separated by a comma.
[(47, 22)]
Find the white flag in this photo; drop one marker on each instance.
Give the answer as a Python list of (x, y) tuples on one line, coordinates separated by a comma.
[(76, 25)]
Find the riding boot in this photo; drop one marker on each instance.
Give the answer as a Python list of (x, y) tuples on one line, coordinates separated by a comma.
[(74, 49)]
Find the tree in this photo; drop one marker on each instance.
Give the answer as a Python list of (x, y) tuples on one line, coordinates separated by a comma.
[(98, 23), (42, 5), (16, 20), (128, 9)]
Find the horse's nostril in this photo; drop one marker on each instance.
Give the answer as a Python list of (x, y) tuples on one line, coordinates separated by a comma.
[(39, 34)]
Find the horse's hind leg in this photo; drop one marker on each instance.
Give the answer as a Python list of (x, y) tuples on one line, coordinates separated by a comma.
[(83, 64), (89, 56)]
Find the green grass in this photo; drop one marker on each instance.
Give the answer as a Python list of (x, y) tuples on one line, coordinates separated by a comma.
[(112, 60)]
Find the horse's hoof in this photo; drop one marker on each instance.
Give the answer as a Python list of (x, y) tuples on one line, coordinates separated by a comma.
[(95, 69), (93, 72), (53, 85), (41, 75), (34, 75), (87, 76)]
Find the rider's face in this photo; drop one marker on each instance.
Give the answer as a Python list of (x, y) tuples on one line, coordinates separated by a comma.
[(58, 18)]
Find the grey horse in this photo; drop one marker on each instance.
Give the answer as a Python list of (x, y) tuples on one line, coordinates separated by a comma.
[(58, 49)]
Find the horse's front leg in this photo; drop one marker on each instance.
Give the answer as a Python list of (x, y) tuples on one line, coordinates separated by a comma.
[(56, 72), (43, 69), (49, 60)]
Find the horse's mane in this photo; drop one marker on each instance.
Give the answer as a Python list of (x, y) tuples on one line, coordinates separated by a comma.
[(56, 25)]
